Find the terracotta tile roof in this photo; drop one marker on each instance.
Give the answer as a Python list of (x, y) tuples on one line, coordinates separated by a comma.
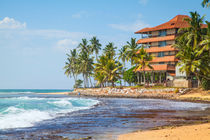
[(161, 67), (165, 59), (176, 22), (160, 49), (156, 39)]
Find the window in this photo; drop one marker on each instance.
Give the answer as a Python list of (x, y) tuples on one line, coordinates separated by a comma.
[(162, 33), (162, 43), (160, 54), (161, 63)]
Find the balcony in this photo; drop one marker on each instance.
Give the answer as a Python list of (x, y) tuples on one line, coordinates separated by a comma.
[(155, 39), (160, 67)]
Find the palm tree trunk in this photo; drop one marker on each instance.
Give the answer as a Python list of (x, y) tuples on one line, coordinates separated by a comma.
[(144, 78), (138, 77), (90, 82)]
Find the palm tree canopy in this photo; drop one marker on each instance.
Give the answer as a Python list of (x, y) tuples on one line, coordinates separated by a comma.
[(109, 50), (95, 45)]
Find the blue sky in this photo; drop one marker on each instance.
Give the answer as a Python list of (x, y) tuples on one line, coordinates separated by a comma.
[(35, 35)]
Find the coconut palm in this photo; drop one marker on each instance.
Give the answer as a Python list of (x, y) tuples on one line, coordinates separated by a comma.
[(122, 54), (100, 78), (109, 67), (84, 47), (109, 50), (131, 49), (95, 46), (86, 66), (71, 66), (194, 59), (142, 60)]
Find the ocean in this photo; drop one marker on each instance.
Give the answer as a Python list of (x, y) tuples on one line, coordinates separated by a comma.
[(26, 114)]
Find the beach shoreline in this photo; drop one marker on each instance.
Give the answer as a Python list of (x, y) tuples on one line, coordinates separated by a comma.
[(182, 131)]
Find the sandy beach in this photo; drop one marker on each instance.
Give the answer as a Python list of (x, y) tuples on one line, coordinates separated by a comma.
[(193, 132)]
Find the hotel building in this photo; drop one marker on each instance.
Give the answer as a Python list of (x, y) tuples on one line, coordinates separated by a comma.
[(158, 42)]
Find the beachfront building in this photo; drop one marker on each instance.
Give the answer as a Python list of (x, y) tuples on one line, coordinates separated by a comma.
[(158, 42)]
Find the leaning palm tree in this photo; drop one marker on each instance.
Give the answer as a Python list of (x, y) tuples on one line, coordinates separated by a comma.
[(95, 46), (142, 60), (131, 49)]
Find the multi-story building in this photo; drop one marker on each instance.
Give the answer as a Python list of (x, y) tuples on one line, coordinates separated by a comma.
[(158, 42)]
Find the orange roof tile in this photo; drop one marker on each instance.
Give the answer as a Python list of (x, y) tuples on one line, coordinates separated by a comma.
[(156, 39), (160, 49), (165, 59), (176, 22), (160, 67)]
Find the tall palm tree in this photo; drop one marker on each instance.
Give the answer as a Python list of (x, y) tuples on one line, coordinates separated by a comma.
[(95, 46), (205, 3), (84, 47), (123, 54), (142, 60), (86, 66), (194, 32), (193, 59), (71, 65), (109, 50), (131, 49)]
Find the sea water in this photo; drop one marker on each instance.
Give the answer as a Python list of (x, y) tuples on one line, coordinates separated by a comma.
[(27, 114), (21, 108)]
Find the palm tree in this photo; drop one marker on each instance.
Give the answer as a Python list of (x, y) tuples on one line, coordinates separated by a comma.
[(95, 46), (109, 67), (109, 50), (142, 60), (71, 65), (84, 47), (192, 50), (131, 50), (86, 66), (205, 3), (194, 32), (122, 54), (100, 78)]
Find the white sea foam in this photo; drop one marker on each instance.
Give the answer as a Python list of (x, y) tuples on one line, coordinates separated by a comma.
[(26, 114), (23, 119)]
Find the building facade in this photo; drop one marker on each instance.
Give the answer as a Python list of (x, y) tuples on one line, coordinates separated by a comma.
[(158, 42)]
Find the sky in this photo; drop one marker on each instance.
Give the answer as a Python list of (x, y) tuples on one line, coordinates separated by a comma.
[(35, 35)]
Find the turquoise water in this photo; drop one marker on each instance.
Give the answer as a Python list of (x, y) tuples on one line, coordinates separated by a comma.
[(24, 108), (13, 91)]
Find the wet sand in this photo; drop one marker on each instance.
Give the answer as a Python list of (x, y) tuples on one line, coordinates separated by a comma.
[(193, 132)]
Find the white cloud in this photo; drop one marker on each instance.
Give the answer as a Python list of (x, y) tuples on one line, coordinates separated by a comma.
[(143, 2), (80, 14), (10, 23), (66, 44), (132, 27)]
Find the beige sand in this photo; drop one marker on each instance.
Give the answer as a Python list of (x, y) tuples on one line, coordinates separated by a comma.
[(196, 95), (66, 93), (193, 132)]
